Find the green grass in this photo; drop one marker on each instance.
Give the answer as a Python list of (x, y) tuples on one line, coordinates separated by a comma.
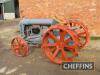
[(95, 38)]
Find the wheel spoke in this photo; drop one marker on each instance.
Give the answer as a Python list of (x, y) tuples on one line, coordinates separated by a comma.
[(52, 45), (82, 33), (17, 41), (68, 40), (15, 45), (62, 35), (69, 47), (52, 36), (78, 41), (63, 54), (55, 53), (16, 48), (22, 51)]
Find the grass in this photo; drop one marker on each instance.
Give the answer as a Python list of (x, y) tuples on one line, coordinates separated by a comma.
[(95, 38)]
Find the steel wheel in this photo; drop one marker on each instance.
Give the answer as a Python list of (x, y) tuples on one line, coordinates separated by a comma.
[(80, 29), (59, 44), (19, 46)]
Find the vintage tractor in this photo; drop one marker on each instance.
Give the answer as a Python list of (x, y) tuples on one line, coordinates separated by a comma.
[(60, 41)]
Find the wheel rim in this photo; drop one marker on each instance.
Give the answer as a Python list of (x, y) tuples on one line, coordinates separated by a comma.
[(81, 31), (56, 46), (19, 46)]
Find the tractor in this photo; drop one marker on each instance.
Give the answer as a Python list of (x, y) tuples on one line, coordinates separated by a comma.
[(60, 41)]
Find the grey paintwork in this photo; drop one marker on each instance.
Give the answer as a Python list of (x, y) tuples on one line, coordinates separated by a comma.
[(35, 38)]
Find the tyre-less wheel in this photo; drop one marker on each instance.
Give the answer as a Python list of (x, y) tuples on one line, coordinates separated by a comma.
[(19, 47), (59, 44), (80, 29)]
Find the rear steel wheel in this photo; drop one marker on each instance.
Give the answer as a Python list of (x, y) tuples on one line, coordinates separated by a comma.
[(59, 44), (81, 31)]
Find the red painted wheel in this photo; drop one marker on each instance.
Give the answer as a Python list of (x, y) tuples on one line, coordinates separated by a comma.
[(80, 29), (59, 44), (19, 46)]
